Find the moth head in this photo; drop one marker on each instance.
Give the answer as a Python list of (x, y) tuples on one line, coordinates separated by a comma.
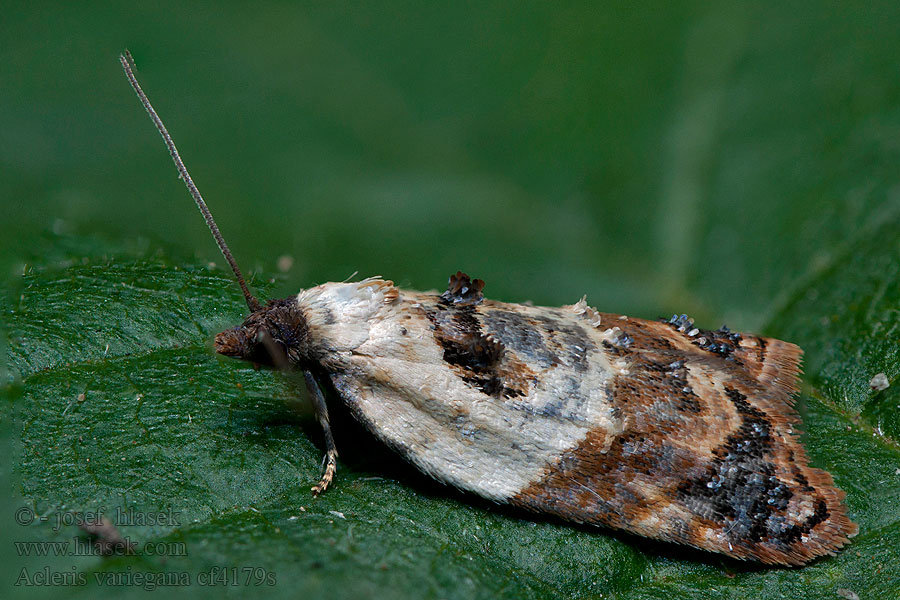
[(275, 335)]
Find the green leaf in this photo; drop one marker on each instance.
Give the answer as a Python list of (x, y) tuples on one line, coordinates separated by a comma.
[(155, 423)]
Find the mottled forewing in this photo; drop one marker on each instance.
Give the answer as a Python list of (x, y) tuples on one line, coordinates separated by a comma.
[(481, 395), (658, 428), (709, 454)]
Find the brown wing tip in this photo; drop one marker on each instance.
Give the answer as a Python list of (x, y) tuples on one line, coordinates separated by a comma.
[(825, 539), (774, 363), (822, 533)]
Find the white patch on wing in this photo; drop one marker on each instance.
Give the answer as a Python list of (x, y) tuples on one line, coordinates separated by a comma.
[(390, 370), (340, 315)]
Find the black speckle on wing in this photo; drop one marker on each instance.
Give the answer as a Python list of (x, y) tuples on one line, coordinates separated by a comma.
[(741, 489)]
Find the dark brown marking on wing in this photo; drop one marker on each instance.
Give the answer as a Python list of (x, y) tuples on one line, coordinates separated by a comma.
[(740, 489), (799, 477), (709, 454), (595, 484), (761, 349), (500, 348), (462, 340), (478, 359)]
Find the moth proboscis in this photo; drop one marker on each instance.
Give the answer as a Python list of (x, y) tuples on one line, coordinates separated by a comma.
[(659, 428)]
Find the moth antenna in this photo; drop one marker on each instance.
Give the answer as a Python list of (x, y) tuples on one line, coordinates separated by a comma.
[(127, 65)]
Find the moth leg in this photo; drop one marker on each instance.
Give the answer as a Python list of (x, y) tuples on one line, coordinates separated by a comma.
[(330, 460)]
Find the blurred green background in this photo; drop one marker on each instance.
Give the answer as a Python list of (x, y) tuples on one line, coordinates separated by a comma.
[(738, 162), (658, 157)]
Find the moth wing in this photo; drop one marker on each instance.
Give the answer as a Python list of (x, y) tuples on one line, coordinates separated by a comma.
[(656, 428), (709, 454)]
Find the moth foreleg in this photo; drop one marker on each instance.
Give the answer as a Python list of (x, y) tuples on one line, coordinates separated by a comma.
[(318, 400)]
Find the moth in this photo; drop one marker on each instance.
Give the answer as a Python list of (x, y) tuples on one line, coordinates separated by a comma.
[(659, 428)]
